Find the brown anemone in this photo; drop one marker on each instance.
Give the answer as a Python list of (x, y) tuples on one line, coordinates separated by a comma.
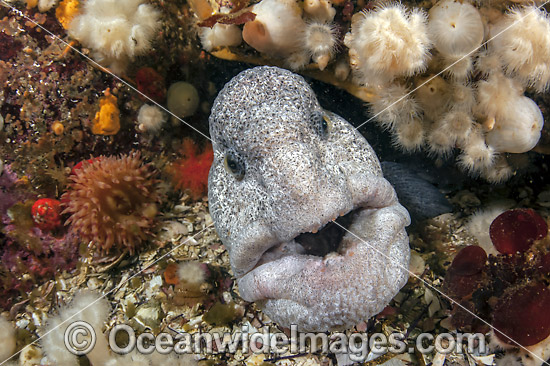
[(112, 201)]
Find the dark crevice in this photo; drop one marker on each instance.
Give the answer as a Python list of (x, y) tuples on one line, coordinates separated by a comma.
[(327, 239)]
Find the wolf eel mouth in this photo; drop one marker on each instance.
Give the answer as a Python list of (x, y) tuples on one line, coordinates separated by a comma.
[(328, 238)]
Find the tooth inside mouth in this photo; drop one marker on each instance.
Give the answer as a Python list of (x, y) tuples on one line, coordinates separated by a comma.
[(328, 238), (319, 242)]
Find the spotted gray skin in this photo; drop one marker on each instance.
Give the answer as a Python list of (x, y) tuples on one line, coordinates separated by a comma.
[(277, 174)]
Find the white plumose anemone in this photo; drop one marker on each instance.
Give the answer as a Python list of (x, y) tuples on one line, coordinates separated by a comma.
[(115, 30), (458, 68), (476, 156), (182, 99), (455, 28), (434, 96), (494, 96), (7, 337), (150, 118), (388, 42), (458, 124), (522, 42), (499, 172), (191, 272), (463, 97), (513, 120), (46, 5), (409, 136), (220, 35), (520, 130), (276, 27), (320, 10), (394, 105), (319, 40), (86, 306), (440, 141), (93, 308), (487, 63), (452, 130)]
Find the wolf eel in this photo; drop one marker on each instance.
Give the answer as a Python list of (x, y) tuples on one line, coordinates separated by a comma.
[(284, 170)]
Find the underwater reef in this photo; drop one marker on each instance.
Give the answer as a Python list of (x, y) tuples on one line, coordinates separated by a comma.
[(455, 80), (106, 150)]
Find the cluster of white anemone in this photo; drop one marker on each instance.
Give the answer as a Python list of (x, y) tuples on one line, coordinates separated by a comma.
[(439, 87), (283, 29), (449, 81), (115, 30), (7, 339), (92, 308)]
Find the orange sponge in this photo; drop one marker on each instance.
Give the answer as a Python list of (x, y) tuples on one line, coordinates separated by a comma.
[(107, 120)]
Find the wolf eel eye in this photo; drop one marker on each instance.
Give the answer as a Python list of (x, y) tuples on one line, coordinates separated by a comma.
[(320, 122), (235, 165)]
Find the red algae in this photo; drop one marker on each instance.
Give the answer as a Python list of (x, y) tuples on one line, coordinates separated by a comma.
[(469, 261), (29, 253), (508, 289), (543, 265), (463, 315), (514, 231), (465, 274), (462, 286), (523, 315), (191, 171), (9, 46), (151, 83)]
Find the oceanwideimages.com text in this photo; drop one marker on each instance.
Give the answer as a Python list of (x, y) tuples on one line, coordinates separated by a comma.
[(80, 338)]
